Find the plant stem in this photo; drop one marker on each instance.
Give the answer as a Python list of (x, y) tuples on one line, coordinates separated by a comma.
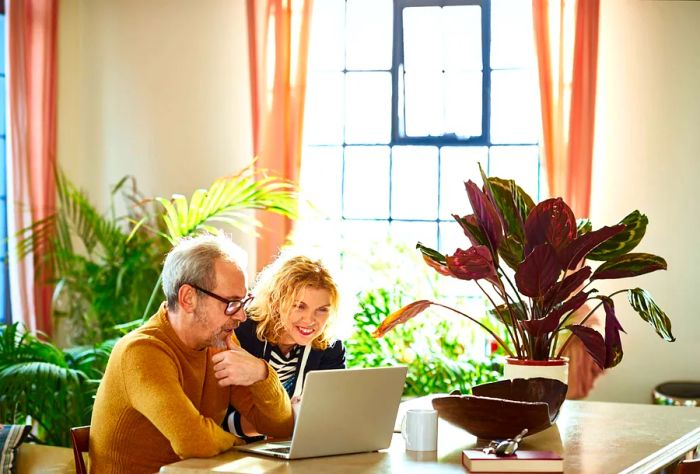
[(495, 336), (156, 288), (522, 304), (561, 351), (495, 308)]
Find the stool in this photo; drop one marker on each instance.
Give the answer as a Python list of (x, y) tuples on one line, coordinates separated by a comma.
[(677, 393)]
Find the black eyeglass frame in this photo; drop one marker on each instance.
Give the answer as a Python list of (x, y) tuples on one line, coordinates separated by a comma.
[(232, 306)]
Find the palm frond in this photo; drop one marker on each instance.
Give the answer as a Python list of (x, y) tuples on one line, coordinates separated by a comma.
[(225, 201)]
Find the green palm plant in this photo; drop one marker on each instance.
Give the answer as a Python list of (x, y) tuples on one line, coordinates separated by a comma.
[(100, 267), (52, 387), (228, 200), (106, 267)]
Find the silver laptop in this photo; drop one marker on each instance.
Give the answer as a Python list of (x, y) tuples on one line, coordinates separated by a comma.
[(341, 412)]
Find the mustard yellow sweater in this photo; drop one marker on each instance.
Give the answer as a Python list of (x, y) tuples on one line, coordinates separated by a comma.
[(159, 402)]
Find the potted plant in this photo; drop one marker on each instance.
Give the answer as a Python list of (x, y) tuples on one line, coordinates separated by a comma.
[(531, 262)]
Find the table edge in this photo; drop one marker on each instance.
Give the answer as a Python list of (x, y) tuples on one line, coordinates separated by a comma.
[(665, 456)]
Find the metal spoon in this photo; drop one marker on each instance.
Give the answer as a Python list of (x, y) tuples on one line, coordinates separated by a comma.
[(509, 446)]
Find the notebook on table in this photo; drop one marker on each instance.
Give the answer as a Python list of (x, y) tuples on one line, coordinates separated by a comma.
[(476, 461), (341, 412)]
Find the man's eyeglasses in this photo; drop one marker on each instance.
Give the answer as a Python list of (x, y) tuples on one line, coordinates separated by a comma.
[(232, 306)]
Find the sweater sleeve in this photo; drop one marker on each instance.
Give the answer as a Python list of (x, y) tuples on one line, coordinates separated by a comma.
[(266, 404), (151, 381)]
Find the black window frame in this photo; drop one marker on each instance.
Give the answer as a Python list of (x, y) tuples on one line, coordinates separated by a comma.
[(397, 137)]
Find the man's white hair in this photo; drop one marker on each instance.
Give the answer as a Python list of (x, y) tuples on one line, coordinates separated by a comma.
[(192, 261)]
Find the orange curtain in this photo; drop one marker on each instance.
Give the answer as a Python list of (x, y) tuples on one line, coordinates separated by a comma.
[(32, 145), (278, 38), (566, 37)]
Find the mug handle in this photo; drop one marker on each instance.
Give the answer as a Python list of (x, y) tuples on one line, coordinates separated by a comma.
[(403, 431)]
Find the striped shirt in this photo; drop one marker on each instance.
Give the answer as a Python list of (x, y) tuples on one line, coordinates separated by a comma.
[(286, 367)]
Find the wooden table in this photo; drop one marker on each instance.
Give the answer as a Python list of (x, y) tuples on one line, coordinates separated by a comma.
[(595, 437)]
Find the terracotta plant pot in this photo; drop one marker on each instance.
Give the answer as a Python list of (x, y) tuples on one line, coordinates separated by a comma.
[(503, 409)]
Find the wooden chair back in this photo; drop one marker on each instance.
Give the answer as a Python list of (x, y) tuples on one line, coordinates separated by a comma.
[(689, 466), (81, 444)]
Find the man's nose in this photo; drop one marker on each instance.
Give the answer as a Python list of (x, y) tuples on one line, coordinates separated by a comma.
[(240, 315)]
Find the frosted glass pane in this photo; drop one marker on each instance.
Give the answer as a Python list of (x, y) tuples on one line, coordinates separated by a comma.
[(414, 182), (512, 38), (368, 106), (422, 39), (369, 34), (321, 174), (424, 104), (461, 27), (439, 104), (366, 193), (318, 238), (457, 165), (323, 113), (409, 233), (463, 103), (515, 112), (520, 163), (452, 237), (326, 41)]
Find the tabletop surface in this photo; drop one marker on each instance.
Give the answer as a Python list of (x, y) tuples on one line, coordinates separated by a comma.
[(594, 437)]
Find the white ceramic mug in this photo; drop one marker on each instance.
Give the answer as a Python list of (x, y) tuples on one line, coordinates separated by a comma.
[(419, 430)]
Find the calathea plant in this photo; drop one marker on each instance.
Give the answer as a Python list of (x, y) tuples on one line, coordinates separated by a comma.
[(531, 262)]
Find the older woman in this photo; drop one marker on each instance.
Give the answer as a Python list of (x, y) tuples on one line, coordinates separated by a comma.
[(288, 326)]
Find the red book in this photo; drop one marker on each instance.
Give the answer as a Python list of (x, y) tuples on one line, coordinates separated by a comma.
[(475, 460)]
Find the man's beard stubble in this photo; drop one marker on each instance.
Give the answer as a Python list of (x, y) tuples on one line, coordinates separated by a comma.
[(216, 340)]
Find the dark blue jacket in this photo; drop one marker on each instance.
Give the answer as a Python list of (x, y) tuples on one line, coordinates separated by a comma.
[(333, 357)]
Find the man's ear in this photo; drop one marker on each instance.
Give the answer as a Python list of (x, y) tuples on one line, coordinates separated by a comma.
[(187, 298)]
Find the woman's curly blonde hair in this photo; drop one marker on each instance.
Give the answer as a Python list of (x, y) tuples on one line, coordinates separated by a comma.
[(279, 285)]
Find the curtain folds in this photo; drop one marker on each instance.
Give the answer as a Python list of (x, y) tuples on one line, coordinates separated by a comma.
[(566, 39), (32, 78), (278, 39)]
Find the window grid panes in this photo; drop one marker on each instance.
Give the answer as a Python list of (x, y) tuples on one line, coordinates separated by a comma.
[(358, 173)]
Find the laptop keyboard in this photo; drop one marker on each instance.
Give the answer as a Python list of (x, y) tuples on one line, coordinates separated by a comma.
[(283, 450)]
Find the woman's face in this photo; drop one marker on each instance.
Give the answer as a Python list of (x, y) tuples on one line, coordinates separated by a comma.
[(307, 317)]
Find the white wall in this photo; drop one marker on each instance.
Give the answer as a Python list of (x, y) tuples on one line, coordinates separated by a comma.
[(648, 158), (154, 88)]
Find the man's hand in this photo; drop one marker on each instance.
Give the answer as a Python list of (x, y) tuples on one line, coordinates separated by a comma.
[(237, 367)]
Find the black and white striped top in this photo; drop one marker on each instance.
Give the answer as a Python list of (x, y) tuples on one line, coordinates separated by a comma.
[(286, 367)]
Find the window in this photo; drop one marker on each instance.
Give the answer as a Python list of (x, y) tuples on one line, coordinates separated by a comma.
[(404, 98), (4, 275)]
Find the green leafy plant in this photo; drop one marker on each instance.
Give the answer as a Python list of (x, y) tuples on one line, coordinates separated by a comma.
[(52, 387), (227, 201), (530, 262), (106, 267), (101, 267), (437, 361)]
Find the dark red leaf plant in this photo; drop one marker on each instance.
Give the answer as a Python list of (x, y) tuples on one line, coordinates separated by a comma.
[(550, 277)]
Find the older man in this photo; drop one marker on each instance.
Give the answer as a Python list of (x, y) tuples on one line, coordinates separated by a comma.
[(168, 384)]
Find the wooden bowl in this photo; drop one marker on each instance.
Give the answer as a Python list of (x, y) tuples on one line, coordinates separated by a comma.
[(503, 409)]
